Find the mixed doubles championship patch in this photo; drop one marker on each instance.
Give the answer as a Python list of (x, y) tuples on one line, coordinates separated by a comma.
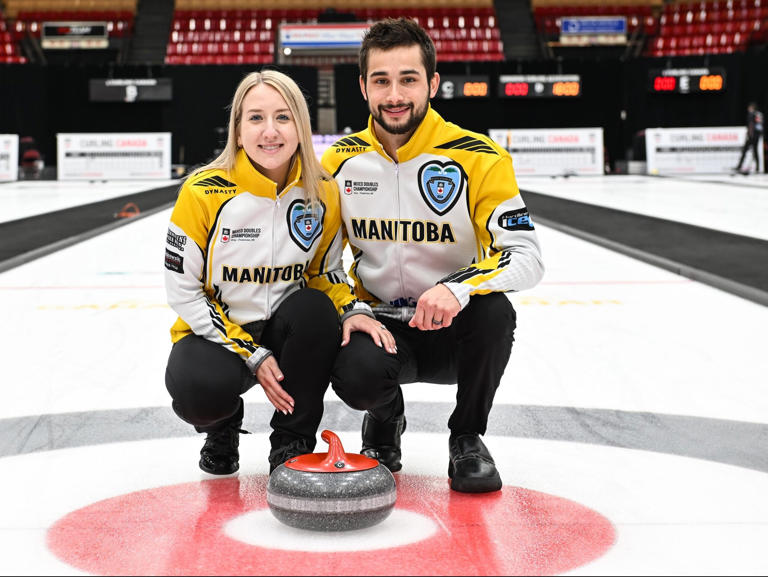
[(305, 222), (441, 184)]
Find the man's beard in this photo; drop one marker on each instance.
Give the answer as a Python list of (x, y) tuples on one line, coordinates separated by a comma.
[(412, 122)]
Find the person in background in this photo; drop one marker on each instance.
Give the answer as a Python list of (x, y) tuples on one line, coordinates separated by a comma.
[(755, 125), (439, 232), (253, 253)]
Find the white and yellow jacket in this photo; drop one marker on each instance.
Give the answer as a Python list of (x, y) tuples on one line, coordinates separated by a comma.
[(449, 211), (235, 250)]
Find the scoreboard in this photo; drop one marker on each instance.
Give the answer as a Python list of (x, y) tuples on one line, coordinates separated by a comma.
[(466, 86), (540, 86), (686, 80)]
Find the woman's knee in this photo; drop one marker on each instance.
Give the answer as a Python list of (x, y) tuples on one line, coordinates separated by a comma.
[(364, 376), (204, 380), (313, 315)]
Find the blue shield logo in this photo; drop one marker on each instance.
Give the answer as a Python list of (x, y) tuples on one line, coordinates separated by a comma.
[(441, 184), (305, 223)]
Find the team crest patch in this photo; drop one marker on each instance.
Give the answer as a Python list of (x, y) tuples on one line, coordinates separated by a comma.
[(441, 184), (305, 223)]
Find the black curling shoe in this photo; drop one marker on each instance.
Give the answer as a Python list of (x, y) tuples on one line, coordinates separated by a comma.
[(471, 467), (381, 441), (295, 448), (220, 454)]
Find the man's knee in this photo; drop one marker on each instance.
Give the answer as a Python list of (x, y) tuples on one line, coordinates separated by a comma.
[(489, 316)]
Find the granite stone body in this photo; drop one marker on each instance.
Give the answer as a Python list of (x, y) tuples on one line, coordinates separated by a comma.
[(331, 491)]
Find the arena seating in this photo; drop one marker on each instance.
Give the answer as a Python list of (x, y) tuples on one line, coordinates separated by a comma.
[(709, 27), (206, 35), (26, 16), (673, 28), (9, 49)]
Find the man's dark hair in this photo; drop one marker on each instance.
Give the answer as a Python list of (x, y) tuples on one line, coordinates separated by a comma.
[(394, 33)]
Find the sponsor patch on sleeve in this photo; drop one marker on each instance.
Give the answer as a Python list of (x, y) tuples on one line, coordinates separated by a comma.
[(174, 262), (516, 220)]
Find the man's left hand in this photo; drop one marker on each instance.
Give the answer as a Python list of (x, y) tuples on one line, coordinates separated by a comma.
[(436, 309)]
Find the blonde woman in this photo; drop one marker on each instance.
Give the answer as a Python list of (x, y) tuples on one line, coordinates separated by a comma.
[(253, 253)]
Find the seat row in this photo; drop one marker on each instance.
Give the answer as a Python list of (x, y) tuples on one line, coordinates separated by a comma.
[(703, 16), (745, 27), (338, 5), (269, 35), (223, 21), (684, 6)]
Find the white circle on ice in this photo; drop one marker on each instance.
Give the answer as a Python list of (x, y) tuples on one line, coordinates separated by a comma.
[(262, 529)]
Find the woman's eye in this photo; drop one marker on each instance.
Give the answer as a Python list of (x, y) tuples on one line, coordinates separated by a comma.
[(283, 118), (254, 117)]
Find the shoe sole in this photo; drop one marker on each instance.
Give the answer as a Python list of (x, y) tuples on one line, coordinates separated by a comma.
[(218, 473), (483, 485)]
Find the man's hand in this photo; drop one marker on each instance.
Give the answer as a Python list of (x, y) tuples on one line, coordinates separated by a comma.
[(436, 309), (269, 376), (365, 324)]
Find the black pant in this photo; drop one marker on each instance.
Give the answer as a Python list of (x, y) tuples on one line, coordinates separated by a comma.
[(205, 380), (473, 353), (750, 144)]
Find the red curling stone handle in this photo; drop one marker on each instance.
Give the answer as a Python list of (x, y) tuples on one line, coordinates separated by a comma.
[(334, 461)]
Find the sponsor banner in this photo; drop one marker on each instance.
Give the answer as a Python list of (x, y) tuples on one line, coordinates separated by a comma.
[(113, 156), (584, 31), (9, 157), (552, 152), (701, 150), (322, 36)]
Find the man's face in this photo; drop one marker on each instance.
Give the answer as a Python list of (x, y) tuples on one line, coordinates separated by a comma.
[(397, 88)]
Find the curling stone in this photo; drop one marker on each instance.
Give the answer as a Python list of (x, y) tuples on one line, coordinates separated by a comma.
[(332, 491)]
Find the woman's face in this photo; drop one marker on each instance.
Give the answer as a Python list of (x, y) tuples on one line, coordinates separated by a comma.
[(268, 132)]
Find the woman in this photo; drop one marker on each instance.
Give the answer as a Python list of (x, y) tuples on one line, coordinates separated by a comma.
[(252, 237)]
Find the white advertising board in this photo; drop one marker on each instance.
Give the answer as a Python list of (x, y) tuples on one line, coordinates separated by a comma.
[(553, 151), (700, 150), (9, 157), (113, 156)]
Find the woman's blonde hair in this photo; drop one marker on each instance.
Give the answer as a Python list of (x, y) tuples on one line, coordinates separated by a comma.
[(312, 171)]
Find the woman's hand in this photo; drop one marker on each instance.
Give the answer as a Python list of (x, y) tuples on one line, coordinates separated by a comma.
[(365, 324), (269, 376)]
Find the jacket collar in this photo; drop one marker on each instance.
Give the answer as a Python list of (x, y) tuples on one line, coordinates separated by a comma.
[(250, 179), (420, 140)]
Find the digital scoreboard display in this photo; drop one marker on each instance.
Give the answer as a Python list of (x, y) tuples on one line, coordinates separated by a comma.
[(537, 86), (686, 80), (130, 89), (451, 87), (69, 35)]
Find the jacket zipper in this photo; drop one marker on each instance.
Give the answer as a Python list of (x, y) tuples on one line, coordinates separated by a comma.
[(398, 244), (275, 210)]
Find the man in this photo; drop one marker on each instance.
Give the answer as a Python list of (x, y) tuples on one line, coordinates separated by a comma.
[(439, 232), (754, 132)]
